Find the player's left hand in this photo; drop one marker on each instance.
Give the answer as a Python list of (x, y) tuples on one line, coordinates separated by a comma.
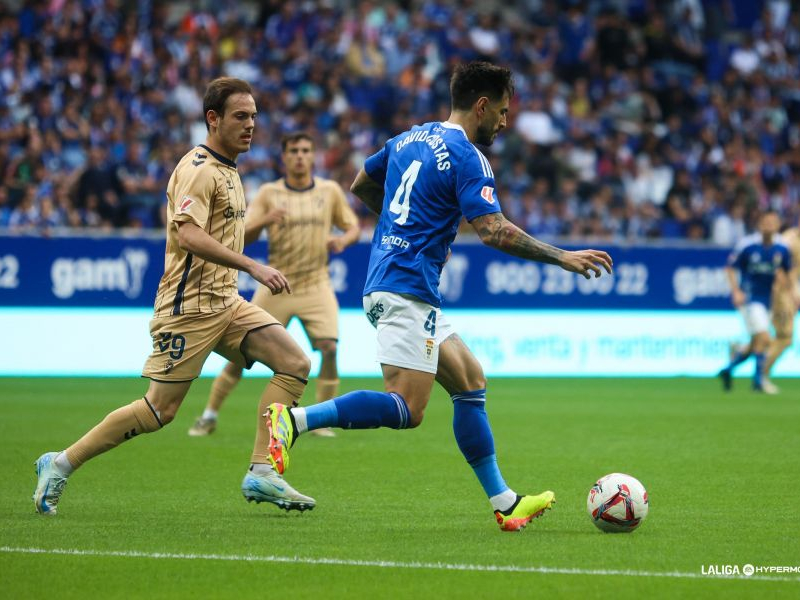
[(587, 262), (336, 244)]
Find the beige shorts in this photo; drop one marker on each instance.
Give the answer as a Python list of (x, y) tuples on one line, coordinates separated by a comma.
[(317, 309), (182, 343), (783, 314)]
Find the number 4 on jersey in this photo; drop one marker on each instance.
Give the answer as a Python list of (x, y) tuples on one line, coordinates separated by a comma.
[(401, 203)]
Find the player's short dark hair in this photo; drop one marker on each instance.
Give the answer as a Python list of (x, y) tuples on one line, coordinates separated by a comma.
[(218, 92), (472, 80), (295, 136)]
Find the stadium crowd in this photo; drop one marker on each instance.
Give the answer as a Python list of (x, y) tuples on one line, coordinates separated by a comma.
[(633, 119)]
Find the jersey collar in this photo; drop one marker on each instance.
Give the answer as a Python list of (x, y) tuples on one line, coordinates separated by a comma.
[(449, 125), (294, 189), (219, 157)]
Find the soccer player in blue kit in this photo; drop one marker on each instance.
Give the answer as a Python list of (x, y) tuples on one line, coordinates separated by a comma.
[(421, 183), (761, 261)]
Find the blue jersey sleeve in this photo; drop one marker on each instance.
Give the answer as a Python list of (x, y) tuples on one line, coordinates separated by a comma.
[(736, 259), (475, 186), (375, 165), (786, 259)]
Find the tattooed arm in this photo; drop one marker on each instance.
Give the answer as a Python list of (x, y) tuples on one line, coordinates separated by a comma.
[(498, 232), (369, 191)]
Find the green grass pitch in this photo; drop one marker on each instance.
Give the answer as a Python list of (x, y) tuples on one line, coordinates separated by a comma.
[(400, 514)]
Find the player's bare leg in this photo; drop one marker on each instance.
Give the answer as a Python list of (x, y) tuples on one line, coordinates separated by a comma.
[(223, 385), (760, 344), (328, 378), (274, 347), (413, 386), (156, 409), (776, 348), (401, 406), (462, 376), (783, 321)]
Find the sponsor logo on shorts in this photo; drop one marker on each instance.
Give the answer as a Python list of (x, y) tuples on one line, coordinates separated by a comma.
[(374, 313), (168, 366), (429, 345)]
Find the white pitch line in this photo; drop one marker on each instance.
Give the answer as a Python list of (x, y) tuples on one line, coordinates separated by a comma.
[(384, 564)]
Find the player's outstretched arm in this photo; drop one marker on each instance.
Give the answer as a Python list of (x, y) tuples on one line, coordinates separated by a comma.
[(195, 240), (498, 232), (369, 191)]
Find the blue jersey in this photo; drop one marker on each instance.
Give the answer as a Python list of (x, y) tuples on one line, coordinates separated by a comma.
[(757, 264), (431, 176)]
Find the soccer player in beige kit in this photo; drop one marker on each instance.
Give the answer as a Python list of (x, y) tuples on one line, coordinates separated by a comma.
[(785, 303), (198, 309), (299, 212)]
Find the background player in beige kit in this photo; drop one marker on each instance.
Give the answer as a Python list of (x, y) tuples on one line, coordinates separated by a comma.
[(198, 309), (299, 211), (785, 303)]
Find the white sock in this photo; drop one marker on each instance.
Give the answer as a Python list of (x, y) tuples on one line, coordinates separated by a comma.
[(210, 415), (504, 500), (63, 464), (261, 468), (300, 421)]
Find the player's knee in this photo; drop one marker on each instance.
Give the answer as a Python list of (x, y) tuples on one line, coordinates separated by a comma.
[(477, 382), (415, 417), (166, 413), (327, 348), (233, 371), (416, 411), (167, 417), (298, 365)]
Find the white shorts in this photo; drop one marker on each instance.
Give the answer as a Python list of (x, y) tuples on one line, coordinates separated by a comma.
[(756, 317), (409, 330)]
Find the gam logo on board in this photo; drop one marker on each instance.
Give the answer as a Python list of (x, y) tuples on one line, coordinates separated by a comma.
[(123, 274)]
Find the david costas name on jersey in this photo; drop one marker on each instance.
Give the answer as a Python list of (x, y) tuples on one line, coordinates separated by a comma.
[(436, 143)]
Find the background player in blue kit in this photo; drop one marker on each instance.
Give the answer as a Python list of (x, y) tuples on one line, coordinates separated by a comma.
[(421, 183), (758, 263)]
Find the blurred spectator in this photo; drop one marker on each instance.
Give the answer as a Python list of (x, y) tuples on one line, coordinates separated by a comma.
[(25, 217), (729, 227), (632, 120), (5, 209), (100, 188)]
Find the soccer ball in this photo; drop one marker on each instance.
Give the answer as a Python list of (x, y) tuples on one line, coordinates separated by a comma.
[(617, 503)]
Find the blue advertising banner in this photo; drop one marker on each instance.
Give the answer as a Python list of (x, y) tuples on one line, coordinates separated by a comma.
[(124, 272)]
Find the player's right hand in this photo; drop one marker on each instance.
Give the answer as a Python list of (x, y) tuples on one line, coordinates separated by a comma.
[(587, 262), (276, 215), (271, 278)]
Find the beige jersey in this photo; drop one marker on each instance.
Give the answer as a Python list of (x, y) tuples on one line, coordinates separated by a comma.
[(298, 245), (791, 237), (204, 189)]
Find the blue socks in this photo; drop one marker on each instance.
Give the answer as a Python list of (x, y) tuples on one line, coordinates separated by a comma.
[(758, 376), (475, 440), (738, 359), (364, 409)]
